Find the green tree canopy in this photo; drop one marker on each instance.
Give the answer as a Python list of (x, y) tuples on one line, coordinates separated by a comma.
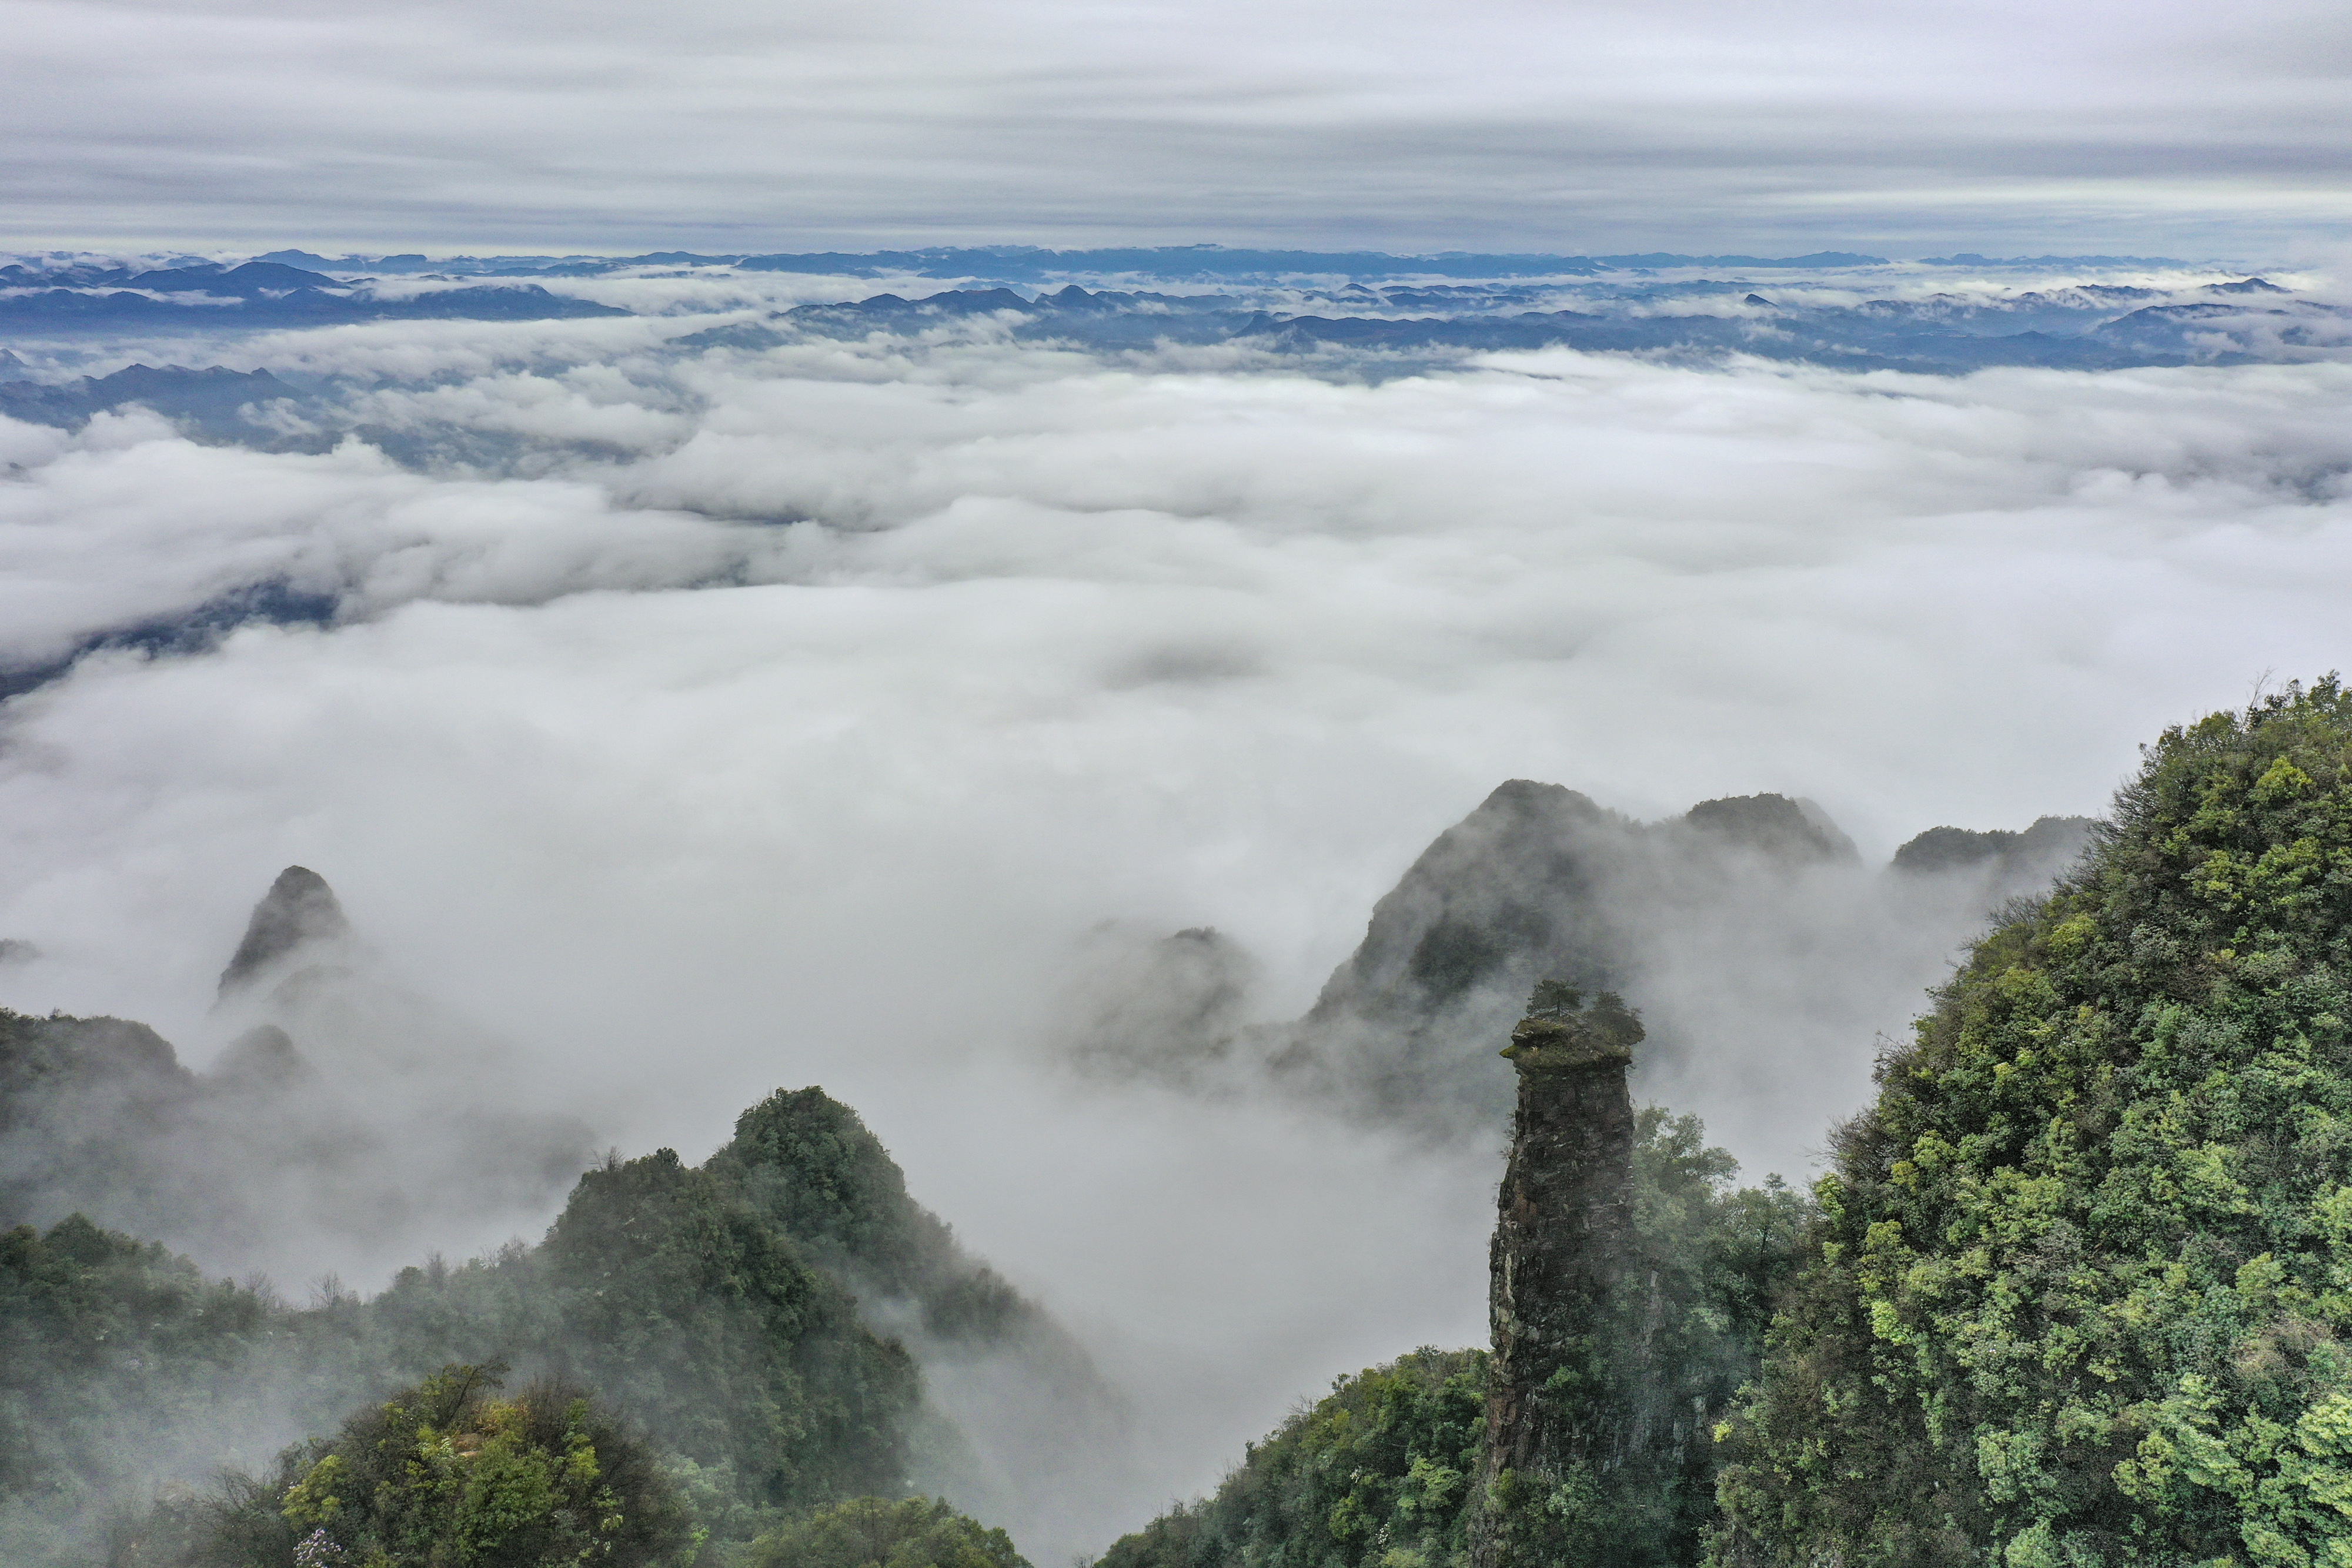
[(448, 1474), (2083, 1290)]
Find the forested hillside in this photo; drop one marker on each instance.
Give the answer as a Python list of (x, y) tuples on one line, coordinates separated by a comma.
[(2074, 1294), (2085, 1271), (708, 1307)]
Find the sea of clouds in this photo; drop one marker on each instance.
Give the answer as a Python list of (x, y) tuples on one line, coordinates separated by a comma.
[(709, 721)]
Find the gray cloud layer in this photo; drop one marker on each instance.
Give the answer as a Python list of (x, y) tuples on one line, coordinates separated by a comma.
[(1704, 125)]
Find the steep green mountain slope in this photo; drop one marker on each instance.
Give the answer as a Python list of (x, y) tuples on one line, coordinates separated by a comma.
[(1375, 1473), (747, 1367), (806, 1164), (718, 1308), (2084, 1282)]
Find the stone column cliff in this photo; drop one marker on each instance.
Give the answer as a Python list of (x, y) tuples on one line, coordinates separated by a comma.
[(1563, 1239)]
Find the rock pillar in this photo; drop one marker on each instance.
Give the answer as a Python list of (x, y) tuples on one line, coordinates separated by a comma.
[(1563, 1237)]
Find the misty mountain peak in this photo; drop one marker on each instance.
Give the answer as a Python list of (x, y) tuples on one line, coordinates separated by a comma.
[(1774, 824), (299, 909), (263, 1058), (1526, 796), (2016, 860)]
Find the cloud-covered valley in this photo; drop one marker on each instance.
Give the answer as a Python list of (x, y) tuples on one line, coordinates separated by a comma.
[(706, 718)]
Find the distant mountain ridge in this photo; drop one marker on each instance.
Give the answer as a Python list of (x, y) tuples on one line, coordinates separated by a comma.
[(86, 296), (1297, 302)]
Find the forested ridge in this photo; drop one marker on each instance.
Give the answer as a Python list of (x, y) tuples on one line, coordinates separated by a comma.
[(1383, 1472)]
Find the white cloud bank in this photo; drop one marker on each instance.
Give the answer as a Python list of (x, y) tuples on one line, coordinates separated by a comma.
[(694, 807)]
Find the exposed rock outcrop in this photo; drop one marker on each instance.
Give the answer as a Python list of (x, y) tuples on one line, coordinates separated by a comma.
[(1563, 1234), (1615, 1343)]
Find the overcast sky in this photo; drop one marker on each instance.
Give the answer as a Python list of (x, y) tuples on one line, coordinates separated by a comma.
[(606, 124)]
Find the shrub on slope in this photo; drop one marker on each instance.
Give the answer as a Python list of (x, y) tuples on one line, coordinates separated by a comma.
[(444, 1475)]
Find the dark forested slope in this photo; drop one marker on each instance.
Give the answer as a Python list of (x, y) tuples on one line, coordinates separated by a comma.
[(763, 1317)]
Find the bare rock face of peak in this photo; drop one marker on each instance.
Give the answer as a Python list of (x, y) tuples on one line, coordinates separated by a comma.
[(299, 909), (1510, 887), (1540, 882)]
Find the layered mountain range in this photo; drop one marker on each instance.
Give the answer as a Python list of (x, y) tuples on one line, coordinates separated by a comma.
[(1838, 309), (102, 295)]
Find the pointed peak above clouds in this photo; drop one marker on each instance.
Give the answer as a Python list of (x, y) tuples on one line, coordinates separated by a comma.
[(299, 909)]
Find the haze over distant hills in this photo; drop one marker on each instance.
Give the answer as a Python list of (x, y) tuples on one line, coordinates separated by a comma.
[(1837, 308), (1708, 922), (204, 340)]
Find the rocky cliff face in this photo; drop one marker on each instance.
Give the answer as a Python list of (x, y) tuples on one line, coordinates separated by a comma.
[(1563, 1233), (1566, 1347)]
